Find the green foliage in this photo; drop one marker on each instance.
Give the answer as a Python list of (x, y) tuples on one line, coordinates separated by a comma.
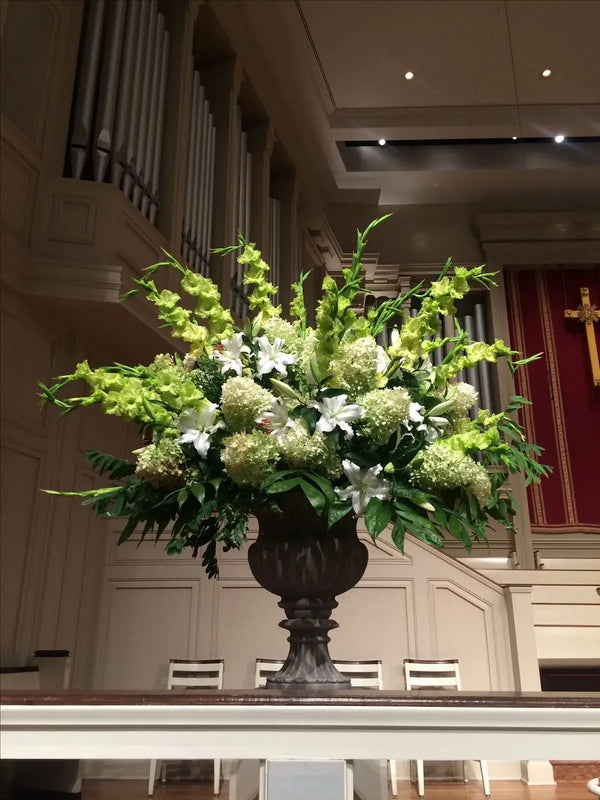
[(250, 415)]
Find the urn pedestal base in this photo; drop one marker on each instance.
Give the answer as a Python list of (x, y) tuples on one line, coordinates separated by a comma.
[(307, 565)]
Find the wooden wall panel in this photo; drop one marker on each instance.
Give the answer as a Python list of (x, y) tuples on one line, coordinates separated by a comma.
[(20, 478), (146, 623)]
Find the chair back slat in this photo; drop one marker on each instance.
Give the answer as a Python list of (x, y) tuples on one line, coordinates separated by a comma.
[(264, 668), (432, 674), (362, 674), (189, 674)]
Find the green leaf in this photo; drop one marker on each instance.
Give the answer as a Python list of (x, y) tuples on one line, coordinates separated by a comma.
[(128, 529), (322, 483), (314, 496), (377, 516), (198, 491), (457, 528), (398, 534), (182, 496), (283, 486), (336, 512)]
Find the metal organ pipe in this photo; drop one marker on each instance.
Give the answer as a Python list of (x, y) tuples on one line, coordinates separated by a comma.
[(147, 152), (136, 102), (189, 185), (125, 93), (211, 186), (205, 196), (160, 124), (86, 89), (197, 215), (146, 98), (109, 86), (483, 368), (204, 152), (472, 374), (121, 90), (198, 144)]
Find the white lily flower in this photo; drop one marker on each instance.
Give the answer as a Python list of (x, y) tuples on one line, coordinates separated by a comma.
[(276, 420), (271, 356), (229, 355), (364, 484), (416, 417), (198, 426), (383, 360), (336, 414)]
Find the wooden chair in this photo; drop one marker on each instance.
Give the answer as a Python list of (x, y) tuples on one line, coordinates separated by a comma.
[(368, 675), (264, 668), (188, 675), (425, 674)]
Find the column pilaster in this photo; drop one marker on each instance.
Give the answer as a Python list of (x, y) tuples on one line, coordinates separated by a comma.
[(525, 665)]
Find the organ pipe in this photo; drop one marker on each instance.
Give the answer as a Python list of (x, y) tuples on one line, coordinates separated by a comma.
[(472, 374), (189, 185), (147, 152), (197, 214), (485, 386), (125, 93), (209, 205), (136, 102), (197, 165), (146, 98), (159, 128), (109, 86), (121, 91), (86, 89)]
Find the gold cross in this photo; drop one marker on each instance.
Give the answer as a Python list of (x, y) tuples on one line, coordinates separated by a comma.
[(588, 314)]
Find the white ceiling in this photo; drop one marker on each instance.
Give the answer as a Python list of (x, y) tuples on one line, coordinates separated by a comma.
[(339, 67), (461, 51)]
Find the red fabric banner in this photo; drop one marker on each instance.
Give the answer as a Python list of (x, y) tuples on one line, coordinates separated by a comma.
[(565, 416)]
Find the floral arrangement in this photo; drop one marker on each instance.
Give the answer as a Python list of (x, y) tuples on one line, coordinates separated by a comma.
[(250, 414)]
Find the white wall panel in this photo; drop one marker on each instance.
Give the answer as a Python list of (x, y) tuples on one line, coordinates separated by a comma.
[(146, 624)]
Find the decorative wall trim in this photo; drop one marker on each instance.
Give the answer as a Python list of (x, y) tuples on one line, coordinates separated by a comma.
[(544, 238)]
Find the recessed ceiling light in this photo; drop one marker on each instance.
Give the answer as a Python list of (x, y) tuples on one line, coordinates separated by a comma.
[(546, 73), (381, 142), (409, 75), (559, 138)]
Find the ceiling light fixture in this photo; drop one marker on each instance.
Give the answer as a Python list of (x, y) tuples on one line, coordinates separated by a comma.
[(514, 138), (409, 75), (559, 138), (546, 73), (381, 142)]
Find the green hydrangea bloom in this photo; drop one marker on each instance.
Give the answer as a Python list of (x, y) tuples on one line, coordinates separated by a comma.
[(243, 401), (282, 329), (354, 367), (300, 450), (160, 464), (385, 411), (464, 397), (249, 457), (439, 467)]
